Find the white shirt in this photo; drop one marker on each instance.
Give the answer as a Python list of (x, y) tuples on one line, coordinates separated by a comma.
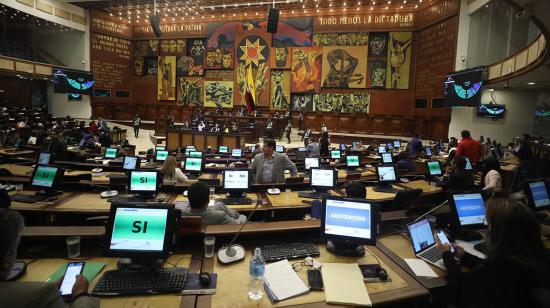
[(178, 177), (493, 181)]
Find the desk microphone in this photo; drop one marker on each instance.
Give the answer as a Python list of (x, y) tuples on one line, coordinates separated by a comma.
[(430, 211), (233, 253)]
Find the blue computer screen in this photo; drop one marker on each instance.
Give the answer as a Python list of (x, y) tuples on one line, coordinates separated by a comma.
[(348, 218), (540, 195), (421, 235), (470, 209)]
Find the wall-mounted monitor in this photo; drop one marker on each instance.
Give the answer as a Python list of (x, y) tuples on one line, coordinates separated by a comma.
[(491, 111), (463, 88)]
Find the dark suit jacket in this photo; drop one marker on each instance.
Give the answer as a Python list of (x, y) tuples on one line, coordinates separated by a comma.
[(460, 181), (38, 295)]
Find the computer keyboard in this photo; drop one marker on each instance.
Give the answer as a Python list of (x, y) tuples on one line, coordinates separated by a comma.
[(433, 254), (310, 195), (481, 247), (385, 189), (275, 252), (236, 201), (354, 172), (28, 198), (141, 282), (192, 176), (125, 199)]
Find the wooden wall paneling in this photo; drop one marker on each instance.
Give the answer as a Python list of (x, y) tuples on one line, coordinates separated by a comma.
[(214, 142), (172, 140), (378, 126), (346, 123), (330, 120), (440, 128), (361, 126), (200, 141), (186, 139), (396, 126), (229, 141), (310, 120)]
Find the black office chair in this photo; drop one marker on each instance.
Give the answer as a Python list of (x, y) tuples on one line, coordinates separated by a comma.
[(404, 198)]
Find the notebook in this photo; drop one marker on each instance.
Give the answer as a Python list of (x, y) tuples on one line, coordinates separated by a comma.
[(281, 281), (344, 284), (90, 271)]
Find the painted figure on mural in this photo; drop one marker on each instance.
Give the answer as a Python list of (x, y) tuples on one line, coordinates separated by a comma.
[(227, 59), (342, 68), (398, 55), (279, 100), (280, 56)]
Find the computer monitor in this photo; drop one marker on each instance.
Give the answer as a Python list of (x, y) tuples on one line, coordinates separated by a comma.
[(195, 154), (140, 230), (46, 177), (110, 153), (223, 149), (193, 165), (348, 224), (302, 149), (312, 162), (537, 193), (143, 183), (397, 144), (422, 235), (160, 148), (387, 158), (352, 161), (335, 154), (237, 153), (428, 151), (322, 179), (382, 149), (469, 210), (192, 147), (355, 143), (390, 146), (131, 163), (189, 151), (161, 155), (44, 158), (468, 164), (342, 146), (279, 148), (236, 181), (433, 167), (386, 174)]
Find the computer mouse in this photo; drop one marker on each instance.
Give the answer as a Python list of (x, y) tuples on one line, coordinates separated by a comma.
[(273, 191), (108, 193), (404, 180), (161, 200), (185, 193), (204, 278), (97, 170), (382, 274)]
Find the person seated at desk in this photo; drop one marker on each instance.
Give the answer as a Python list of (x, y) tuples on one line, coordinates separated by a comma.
[(453, 143), (256, 150), (414, 146), (491, 174), (93, 128), (459, 179), (516, 272), (57, 147), (312, 149), (219, 214), (105, 139), (171, 172), (358, 147), (269, 166), (522, 149), (469, 147), (404, 162), (19, 294)]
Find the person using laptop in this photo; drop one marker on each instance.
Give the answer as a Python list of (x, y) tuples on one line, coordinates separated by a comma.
[(199, 197), (404, 162), (270, 166), (22, 294), (516, 272), (171, 172), (491, 174), (459, 179)]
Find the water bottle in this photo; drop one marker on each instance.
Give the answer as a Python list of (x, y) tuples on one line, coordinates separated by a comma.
[(257, 269)]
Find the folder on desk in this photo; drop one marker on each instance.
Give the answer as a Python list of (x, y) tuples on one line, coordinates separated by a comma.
[(344, 284), (281, 281), (90, 271)]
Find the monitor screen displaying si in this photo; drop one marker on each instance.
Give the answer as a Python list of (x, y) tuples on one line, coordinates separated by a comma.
[(130, 163), (387, 158), (44, 176), (311, 162), (139, 229), (111, 152), (463, 88), (322, 178), (161, 155), (160, 148), (335, 154), (386, 173), (193, 164), (279, 148), (236, 179), (236, 153), (195, 154), (470, 209), (223, 149), (434, 168), (43, 158), (382, 149), (349, 219), (143, 181), (352, 160)]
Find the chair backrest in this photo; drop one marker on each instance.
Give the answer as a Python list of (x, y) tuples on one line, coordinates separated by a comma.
[(189, 225), (403, 198), (299, 179)]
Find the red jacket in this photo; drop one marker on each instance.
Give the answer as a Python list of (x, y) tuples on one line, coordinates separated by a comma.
[(470, 148), (94, 129)]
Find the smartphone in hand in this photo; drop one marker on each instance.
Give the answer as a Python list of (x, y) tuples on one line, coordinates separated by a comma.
[(73, 269), (444, 240)]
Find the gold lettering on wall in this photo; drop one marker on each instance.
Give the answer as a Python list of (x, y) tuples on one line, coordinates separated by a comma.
[(385, 20), (186, 29), (109, 26)]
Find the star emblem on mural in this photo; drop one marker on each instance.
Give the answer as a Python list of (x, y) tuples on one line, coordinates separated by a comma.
[(252, 52)]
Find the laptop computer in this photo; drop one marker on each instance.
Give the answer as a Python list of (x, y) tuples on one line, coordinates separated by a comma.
[(424, 244)]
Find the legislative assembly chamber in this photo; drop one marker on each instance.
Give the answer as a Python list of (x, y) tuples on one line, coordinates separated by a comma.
[(283, 153)]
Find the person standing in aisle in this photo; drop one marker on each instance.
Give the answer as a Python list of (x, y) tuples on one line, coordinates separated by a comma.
[(136, 123)]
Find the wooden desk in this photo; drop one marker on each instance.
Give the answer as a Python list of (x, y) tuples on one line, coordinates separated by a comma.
[(232, 290), (37, 206), (18, 170), (11, 152), (202, 140), (424, 185), (42, 269)]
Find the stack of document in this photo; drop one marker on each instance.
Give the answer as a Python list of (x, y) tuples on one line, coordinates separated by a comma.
[(344, 284), (281, 281)]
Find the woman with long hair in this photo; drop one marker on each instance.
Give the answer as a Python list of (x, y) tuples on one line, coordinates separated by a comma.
[(171, 172), (491, 174), (516, 272)]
